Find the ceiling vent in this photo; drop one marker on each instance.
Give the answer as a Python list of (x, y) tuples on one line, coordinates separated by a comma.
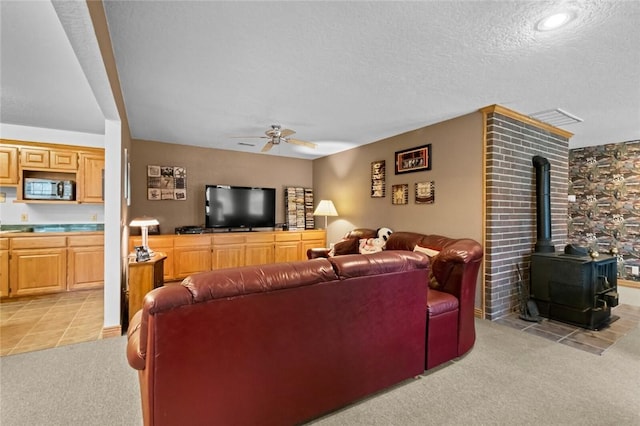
[(556, 117), (246, 144)]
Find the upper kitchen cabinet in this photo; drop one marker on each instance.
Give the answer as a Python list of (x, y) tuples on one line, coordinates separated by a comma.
[(90, 185), (8, 165), (52, 173)]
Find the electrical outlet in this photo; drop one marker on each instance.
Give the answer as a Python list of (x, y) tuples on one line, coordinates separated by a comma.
[(24, 217), (94, 217)]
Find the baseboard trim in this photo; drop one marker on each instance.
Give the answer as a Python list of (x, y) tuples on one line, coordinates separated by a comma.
[(477, 312), (628, 283), (113, 331)]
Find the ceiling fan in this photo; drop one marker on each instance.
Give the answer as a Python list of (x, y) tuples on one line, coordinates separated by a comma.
[(276, 135)]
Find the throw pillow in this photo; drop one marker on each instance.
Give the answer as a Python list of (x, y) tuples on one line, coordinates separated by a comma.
[(348, 246), (426, 250), (433, 283)]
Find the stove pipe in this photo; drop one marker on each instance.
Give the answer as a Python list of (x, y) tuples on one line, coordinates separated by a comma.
[(543, 205)]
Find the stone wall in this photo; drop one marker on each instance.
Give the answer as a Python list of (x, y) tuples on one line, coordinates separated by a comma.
[(605, 180)]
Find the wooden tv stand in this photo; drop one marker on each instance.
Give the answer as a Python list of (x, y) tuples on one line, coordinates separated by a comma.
[(191, 253)]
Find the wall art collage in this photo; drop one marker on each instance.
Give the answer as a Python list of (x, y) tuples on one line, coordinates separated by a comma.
[(166, 183), (410, 160)]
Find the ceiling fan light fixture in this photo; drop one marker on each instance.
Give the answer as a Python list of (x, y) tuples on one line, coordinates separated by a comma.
[(554, 21)]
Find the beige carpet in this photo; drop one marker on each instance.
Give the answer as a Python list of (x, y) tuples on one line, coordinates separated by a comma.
[(508, 378)]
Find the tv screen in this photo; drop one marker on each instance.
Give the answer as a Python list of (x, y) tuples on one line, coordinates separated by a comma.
[(239, 207)]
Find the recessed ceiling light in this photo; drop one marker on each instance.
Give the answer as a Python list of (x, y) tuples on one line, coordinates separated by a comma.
[(554, 21)]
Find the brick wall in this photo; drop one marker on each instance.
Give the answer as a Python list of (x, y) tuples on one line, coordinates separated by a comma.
[(512, 140)]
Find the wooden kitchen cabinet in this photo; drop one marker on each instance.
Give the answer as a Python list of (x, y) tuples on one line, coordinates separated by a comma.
[(34, 157), (191, 254), (8, 165), (90, 183), (259, 248), (53, 159), (63, 160), (83, 165), (85, 257), (312, 239), (38, 265), (228, 251), (4, 267), (287, 246)]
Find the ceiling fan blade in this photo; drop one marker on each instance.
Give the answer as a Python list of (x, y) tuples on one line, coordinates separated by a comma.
[(249, 137), (286, 132), (302, 143), (267, 147)]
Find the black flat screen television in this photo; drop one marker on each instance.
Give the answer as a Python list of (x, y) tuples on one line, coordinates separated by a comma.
[(239, 207)]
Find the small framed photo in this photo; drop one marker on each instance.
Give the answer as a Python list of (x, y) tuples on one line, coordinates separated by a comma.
[(400, 194), (378, 179), (142, 254), (425, 192), (413, 160)]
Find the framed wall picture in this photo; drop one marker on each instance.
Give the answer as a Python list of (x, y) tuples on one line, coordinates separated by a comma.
[(166, 183), (378, 185), (425, 192), (413, 160), (400, 194)]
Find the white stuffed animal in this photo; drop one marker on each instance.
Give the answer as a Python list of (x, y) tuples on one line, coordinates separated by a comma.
[(374, 245), (371, 245), (384, 234)]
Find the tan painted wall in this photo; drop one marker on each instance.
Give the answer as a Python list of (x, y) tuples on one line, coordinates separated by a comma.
[(208, 166), (456, 170)]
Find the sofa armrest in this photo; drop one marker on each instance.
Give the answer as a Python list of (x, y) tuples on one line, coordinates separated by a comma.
[(134, 354), (316, 252)]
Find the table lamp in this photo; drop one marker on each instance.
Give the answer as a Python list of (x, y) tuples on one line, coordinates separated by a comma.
[(325, 208), (144, 223)]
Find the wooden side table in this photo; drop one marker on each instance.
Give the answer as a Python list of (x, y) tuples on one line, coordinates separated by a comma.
[(144, 277)]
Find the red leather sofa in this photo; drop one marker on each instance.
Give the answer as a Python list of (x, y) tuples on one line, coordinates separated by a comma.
[(279, 344), (452, 286)]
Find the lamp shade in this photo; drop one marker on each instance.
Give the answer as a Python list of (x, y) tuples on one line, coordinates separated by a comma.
[(144, 221), (325, 208)]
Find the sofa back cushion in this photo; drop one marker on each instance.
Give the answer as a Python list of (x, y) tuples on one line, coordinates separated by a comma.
[(222, 283), (360, 265)]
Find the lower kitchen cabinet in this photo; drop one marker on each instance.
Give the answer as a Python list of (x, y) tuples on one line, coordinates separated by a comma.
[(4, 267), (38, 271), (85, 262), (33, 265)]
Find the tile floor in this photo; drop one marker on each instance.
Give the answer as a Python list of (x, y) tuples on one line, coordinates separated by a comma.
[(595, 342), (41, 322)]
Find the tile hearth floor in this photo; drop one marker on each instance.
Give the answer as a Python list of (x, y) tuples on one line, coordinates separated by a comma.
[(595, 342), (41, 322)]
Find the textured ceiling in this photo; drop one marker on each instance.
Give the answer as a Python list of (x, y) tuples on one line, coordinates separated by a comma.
[(341, 74)]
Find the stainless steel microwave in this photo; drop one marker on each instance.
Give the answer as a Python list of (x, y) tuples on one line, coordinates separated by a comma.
[(49, 189)]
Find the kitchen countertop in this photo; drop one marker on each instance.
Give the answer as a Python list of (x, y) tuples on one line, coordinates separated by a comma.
[(50, 227)]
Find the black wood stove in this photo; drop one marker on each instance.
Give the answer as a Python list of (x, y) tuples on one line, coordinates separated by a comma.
[(578, 287)]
